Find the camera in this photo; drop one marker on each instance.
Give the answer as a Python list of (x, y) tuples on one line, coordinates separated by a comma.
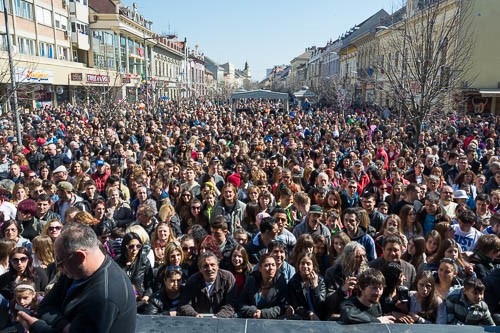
[(404, 294)]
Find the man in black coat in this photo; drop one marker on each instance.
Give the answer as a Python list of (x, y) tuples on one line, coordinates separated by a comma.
[(92, 295)]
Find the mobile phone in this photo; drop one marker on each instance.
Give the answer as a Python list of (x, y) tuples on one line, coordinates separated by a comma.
[(19, 307)]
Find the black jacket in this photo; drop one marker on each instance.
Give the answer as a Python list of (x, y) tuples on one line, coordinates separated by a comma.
[(298, 300), (104, 302), (159, 303), (272, 306), (140, 273), (354, 312), (195, 299), (8, 282), (226, 252)]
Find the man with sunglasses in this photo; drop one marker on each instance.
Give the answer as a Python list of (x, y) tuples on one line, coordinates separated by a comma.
[(92, 293)]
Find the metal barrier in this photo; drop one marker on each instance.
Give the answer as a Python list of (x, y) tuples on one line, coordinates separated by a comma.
[(149, 324)]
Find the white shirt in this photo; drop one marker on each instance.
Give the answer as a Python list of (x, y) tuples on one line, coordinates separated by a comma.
[(466, 240), (9, 211)]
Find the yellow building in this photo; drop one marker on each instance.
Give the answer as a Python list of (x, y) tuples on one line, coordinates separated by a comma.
[(473, 77), (49, 46)]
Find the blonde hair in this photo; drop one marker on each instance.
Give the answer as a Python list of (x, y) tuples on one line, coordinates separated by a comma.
[(143, 235), (43, 248), (171, 247), (166, 211)]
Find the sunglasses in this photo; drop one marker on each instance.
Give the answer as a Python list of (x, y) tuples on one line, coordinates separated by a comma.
[(196, 207), (56, 228), (174, 268), (188, 248), (134, 246), (18, 260)]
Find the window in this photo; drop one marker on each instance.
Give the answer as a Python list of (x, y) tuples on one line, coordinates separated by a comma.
[(46, 50), (26, 46), (62, 53), (23, 9), (60, 21), (3, 42), (1, 5), (123, 54), (43, 16), (80, 28)]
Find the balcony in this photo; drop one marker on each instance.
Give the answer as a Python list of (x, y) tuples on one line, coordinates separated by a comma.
[(81, 40)]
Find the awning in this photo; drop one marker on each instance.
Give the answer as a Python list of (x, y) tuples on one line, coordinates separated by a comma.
[(489, 92)]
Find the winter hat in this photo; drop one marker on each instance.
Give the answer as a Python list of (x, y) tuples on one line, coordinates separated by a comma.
[(234, 179)]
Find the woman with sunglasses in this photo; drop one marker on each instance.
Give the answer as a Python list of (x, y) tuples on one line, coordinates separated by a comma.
[(166, 300), (183, 208), (53, 229), (137, 266), (10, 231), (21, 269)]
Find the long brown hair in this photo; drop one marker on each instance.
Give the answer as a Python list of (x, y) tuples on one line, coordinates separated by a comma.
[(430, 304)]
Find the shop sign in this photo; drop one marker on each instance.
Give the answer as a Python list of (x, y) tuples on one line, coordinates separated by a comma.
[(34, 75), (125, 80), (97, 78), (76, 77)]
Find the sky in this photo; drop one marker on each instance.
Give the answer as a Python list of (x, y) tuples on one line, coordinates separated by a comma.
[(262, 33)]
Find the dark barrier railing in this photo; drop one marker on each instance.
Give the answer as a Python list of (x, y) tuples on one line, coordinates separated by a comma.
[(148, 324)]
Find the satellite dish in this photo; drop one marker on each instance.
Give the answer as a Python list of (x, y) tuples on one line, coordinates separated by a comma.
[(59, 90)]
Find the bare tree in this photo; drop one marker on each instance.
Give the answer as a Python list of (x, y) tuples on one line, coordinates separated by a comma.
[(331, 93), (104, 96), (427, 59)]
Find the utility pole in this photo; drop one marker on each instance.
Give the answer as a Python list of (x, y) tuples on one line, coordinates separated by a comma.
[(13, 85)]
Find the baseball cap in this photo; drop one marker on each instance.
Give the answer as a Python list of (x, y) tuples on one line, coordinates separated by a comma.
[(315, 209)]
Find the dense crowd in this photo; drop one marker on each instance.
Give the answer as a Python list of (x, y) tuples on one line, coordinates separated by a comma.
[(309, 214)]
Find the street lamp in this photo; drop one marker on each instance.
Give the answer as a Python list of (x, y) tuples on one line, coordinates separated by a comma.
[(12, 74)]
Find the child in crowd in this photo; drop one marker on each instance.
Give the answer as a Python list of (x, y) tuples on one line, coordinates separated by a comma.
[(465, 306)]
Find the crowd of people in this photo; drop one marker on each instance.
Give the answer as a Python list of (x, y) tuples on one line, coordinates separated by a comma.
[(308, 214)]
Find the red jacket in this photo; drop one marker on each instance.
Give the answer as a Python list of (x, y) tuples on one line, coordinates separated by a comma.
[(100, 180)]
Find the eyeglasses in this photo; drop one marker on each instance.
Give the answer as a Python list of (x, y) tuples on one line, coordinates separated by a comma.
[(56, 228), (131, 247), (18, 260), (63, 261)]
